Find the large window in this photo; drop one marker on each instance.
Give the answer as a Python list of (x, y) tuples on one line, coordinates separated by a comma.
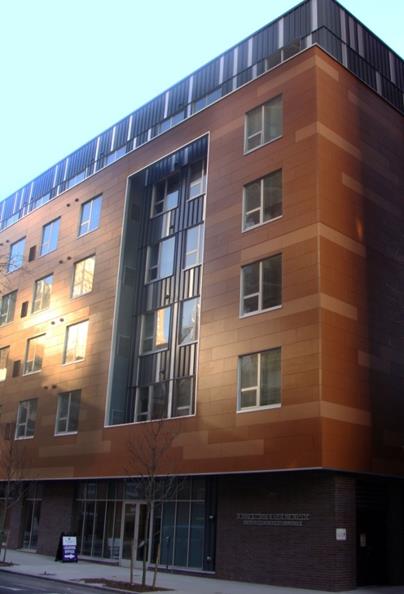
[(196, 180), (152, 402), (42, 293), (16, 257), (90, 216), (260, 380), (166, 195), (50, 235), (261, 285), (189, 321), (67, 416), (262, 200), (83, 276), (193, 246), (156, 330), (76, 341), (34, 354), (7, 307), (183, 397), (3, 362), (161, 260), (263, 124), (26, 418)]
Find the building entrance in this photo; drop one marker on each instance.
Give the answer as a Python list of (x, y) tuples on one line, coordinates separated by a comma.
[(134, 532)]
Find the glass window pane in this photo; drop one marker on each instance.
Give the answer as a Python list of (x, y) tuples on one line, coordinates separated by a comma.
[(162, 329), (76, 341), (34, 356), (16, 257), (167, 534), (181, 534), (7, 308), (248, 398), (148, 332), (166, 257), (272, 281), (270, 377), (160, 401), (189, 321), (251, 279), (248, 371), (83, 276), (193, 246), (273, 119), (196, 537), (172, 192), (3, 363), (196, 184), (254, 121), (42, 293), (272, 199), (183, 397)]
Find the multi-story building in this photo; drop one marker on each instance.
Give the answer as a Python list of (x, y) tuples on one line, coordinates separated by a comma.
[(228, 258)]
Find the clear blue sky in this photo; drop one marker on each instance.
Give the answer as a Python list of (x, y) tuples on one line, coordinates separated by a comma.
[(71, 68)]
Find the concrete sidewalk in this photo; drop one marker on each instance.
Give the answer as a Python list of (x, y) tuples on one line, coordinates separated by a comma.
[(42, 566)]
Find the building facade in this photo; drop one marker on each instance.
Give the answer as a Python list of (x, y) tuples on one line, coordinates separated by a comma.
[(221, 270)]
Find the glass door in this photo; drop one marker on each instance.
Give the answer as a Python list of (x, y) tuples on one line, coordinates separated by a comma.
[(134, 531)]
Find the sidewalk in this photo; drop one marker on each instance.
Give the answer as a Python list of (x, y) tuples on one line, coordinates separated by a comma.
[(41, 566)]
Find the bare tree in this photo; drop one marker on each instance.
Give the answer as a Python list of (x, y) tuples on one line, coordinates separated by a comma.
[(151, 467), (13, 464)]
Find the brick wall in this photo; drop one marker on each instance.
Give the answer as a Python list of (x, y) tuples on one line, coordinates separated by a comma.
[(56, 515)]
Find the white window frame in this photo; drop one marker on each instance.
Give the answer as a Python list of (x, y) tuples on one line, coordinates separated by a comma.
[(80, 284), (31, 417), (202, 182), (67, 417), (34, 297), (157, 266), (199, 249), (257, 386), (259, 208), (4, 297), (260, 133), (31, 370), (87, 222), (258, 293), (74, 346), (54, 227), (15, 262), (164, 200)]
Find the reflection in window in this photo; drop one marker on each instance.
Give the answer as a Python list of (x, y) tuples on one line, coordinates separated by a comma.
[(196, 180), (264, 123), (4, 352), (83, 276), (166, 195), (42, 293), (193, 246), (189, 321), (183, 398), (90, 216), (7, 307), (16, 257), (34, 354), (161, 259), (26, 418), (156, 329), (260, 379), (261, 285), (50, 235), (76, 341), (262, 200)]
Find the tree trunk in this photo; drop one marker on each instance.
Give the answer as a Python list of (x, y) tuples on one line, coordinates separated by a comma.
[(156, 566), (146, 540), (131, 564)]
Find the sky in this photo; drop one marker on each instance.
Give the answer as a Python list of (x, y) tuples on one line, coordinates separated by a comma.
[(72, 68)]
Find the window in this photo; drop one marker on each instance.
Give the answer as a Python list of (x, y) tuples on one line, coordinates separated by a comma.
[(3, 362), (152, 402), (196, 180), (83, 276), (189, 321), (161, 259), (206, 100), (262, 200), (261, 285), (90, 216), (26, 418), (50, 235), (260, 379), (34, 354), (7, 307), (263, 124), (193, 246), (42, 293), (183, 401), (156, 330), (76, 340), (170, 122), (67, 416), (165, 195), (16, 257)]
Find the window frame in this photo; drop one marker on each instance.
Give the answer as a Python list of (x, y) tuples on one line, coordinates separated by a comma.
[(260, 293), (261, 132), (180, 321), (66, 343), (165, 209), (261, 181), (14, 266), (4, 369), (55, 223), (31, 412), (257, 406), (34, 293), (88, 221), (29, 342), (158, 245), (8, 321), (200, 246), (202, 162), (73, 296), (67, 418), (155, 348)]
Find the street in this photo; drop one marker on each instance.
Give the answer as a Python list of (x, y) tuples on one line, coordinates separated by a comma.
[(21, 584)]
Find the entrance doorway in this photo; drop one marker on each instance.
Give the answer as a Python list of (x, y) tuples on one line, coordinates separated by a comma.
[(134, 532)]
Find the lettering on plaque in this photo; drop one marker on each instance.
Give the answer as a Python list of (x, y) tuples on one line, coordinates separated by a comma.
[(278, 519)]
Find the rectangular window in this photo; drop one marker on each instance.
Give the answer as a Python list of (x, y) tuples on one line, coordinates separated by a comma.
[(34, 354), (166, 195), (76, 341), (263, 124), (262, 200), (261, 285), (83, 276), (7, 307), (183, 397), (26, 418), (196, 180), (3, 362), (161, 260), (193, 246), (152, 402), (42, 293), (16, 256), (50, 235), (90, 216), (260, 380), (156, 330), (67, 416), (189, 321)]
